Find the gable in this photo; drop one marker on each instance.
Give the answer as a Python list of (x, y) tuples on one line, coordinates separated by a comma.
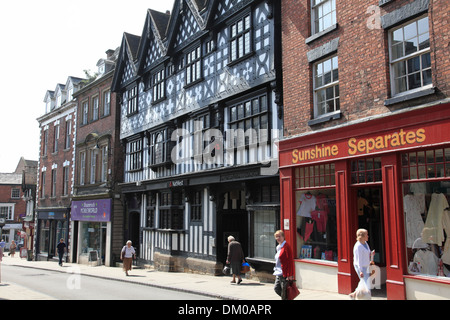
[(126, 69), (187, 28)]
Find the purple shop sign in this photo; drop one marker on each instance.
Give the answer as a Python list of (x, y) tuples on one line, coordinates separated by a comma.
[(92, 210)]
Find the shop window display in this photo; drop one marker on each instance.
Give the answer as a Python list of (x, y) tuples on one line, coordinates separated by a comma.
[(316, 213), (426, 210)]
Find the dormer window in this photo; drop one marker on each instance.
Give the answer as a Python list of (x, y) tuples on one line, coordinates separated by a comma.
[(59, 100)]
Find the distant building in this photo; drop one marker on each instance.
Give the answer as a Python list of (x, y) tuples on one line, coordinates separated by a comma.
[(56, 168), (17, 201)]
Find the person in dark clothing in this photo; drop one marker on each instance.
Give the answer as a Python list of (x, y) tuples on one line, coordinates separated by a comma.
[(235, 258), (61, 247)]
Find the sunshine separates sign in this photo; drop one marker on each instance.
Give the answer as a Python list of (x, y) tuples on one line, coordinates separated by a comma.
[(369, 144)]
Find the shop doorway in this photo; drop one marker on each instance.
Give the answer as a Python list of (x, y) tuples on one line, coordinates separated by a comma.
[(369, 215), (134, 230)]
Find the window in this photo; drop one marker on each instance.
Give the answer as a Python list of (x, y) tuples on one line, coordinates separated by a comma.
[(410, 56), (158, 81), (426, 185), (134, 155), (82, 167), (104, 176), (53, 194), (132, 100), (171, 210), (66, 181), (106, 103), (68, 134), (151, 207), (95, 109), (56, 137), (193, 66), (85, 113), (196, 207), (240, 40), (44, 151), (7, 211), (43, 185), (366, 170), (264, 228), (326, 87), (316, 224), (93, 171), (15, 193), (250, 114), (323, 14)]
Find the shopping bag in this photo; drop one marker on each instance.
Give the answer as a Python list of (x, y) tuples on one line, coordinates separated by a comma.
[(362, 292), (292, 290), (245, 267)]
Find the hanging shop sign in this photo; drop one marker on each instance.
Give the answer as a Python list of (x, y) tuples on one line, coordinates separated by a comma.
[(92, 210)]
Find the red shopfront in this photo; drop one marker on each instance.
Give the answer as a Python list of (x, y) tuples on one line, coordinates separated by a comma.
[(389, 175)]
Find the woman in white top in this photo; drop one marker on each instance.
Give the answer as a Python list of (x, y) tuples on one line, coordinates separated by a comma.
[(127, 255), (361, 256)]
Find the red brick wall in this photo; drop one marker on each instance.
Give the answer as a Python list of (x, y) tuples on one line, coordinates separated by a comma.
[(56, 158), (363, 53), (5, 198)]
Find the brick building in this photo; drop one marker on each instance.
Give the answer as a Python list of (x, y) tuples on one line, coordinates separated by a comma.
[(98, 170), (55, 169), (366, 142), (12, 206)]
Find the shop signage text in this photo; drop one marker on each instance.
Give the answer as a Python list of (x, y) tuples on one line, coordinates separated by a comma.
[(92, 210), (361, 146)]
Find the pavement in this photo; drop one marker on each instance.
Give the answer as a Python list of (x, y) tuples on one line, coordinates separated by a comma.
[(211, 286)]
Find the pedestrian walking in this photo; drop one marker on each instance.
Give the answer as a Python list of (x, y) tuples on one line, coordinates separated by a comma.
[(362, 258), (12, 248), (61, 248), (284, 265), (235, 257), (126, 255)]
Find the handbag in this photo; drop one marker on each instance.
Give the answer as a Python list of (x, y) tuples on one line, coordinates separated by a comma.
[(226, 270), (292, 291), (245, 267)]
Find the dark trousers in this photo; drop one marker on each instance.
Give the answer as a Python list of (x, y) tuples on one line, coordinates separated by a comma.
[(280, 287), (61, 256)]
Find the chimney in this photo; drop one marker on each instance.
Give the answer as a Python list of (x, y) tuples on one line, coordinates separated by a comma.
[(168, 12), (109, 53)]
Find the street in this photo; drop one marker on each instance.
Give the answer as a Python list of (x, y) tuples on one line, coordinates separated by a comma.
[(73, 286)]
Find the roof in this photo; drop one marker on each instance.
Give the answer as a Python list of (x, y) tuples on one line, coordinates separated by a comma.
[(11, 178)]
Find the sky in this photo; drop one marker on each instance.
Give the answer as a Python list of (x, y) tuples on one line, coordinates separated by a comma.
[(43, 43)]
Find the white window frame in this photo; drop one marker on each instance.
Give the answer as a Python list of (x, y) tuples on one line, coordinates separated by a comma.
[(82, 167), (95, 108), (194, 65), (317, 7), (408, 57), (106, 103), (319, 88), (241, 38), (7, 208)]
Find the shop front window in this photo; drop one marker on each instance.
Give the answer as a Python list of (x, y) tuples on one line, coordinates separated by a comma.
[(44, 236), (92, 235), (315, 196), (264, 228), (426, 190)]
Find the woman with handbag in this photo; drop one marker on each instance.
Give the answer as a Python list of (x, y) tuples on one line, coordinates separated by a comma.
[(126, 255), (235, 257), (284, 267)]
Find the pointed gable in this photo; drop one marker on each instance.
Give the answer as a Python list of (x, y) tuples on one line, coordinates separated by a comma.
[(185, 23), (126, 68), (153, 46)]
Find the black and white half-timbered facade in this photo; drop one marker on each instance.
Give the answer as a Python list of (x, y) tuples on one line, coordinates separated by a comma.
[(201, 110)]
